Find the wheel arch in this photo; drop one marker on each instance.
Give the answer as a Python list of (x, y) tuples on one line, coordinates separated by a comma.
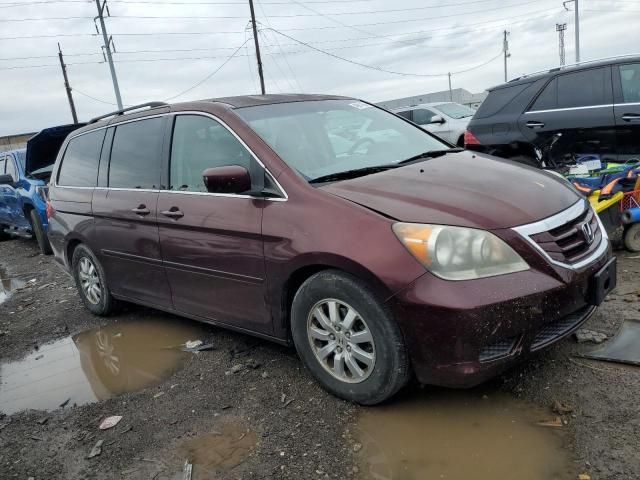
[(309, 266)]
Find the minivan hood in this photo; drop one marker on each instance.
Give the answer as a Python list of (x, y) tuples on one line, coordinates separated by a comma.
[(463, 189), (43, 147)]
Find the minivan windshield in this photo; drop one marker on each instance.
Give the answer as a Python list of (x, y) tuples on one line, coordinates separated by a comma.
[(320, 138), (455, 110)]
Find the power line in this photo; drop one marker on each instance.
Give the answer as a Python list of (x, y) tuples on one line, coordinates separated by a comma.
[(372, 67), (296, 15), (543, 12), (197, 84)]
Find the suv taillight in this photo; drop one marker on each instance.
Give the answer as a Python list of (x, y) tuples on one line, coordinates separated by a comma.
[(470, 138), (49, 210)]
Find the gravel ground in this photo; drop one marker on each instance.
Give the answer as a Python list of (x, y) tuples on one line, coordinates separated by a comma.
[(290, 428)]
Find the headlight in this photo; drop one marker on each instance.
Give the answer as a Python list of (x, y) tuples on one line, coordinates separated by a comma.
[(458, 253)]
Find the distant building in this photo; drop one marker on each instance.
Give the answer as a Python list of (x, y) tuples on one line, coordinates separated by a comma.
[(458, 95), (13, 142)]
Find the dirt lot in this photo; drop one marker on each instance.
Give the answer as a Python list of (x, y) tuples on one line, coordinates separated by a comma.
[(247, 408)]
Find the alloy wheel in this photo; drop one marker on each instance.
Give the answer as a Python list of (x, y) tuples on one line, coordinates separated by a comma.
[(90, 281), (341, 341)]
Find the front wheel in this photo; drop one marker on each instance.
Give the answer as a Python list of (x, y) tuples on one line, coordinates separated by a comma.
[(39, 233), (348, 339), (91, 282)]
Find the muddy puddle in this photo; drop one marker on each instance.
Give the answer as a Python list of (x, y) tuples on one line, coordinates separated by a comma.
[(8, 285), (460, 436), (95, 365), (218, 451)]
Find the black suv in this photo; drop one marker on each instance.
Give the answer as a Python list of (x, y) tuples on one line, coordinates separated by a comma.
[(594, 105)]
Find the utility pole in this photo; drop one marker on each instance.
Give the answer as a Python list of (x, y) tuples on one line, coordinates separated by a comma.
[(450, 91), (255, 40), (577, 25), (560, 28), (67, 86), (505, 49), (108, 41)]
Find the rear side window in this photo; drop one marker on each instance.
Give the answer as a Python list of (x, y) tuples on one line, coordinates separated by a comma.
[(422, 116), (200, 143), (406, 114), (582, 89), (548, 98), (79, 166), (136, 154), (630, 79), (498, 99)]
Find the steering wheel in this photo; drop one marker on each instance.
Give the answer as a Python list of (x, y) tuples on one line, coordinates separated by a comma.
[(359, 143)]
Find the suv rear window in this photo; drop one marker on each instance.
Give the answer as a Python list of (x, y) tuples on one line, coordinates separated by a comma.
[(79, 166), (136, 154), (498, 99), (582, 89), (548, 99)]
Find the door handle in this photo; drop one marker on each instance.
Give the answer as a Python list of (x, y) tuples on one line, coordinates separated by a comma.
[(535, 124), (173, 212), (141, 210), (631, 117)]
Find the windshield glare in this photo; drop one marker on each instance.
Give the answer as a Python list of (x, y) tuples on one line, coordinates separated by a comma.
[(455, 110), (319, 138)]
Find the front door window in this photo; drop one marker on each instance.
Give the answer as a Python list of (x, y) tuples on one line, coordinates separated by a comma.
[(200, 143)]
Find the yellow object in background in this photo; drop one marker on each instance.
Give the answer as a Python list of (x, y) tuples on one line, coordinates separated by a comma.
[(601, 205)]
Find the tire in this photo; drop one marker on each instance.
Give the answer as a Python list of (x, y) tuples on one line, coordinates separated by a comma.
[(386, 369), (632, 237), (39, 233), (3, 235), (91, 282)]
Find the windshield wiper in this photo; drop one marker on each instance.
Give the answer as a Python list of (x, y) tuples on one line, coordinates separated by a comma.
[(430, 154), (355, 173)]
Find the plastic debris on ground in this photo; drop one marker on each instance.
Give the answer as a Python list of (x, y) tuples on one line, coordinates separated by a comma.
[(624, 347), (110, 422)]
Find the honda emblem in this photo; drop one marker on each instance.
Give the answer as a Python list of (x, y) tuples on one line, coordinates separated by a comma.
[(588, 233)]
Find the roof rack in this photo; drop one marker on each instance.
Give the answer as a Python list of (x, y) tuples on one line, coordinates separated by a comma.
[(586, 62), (128, 109)]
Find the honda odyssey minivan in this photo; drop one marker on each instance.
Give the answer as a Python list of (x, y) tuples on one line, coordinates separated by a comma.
[(388, 257)]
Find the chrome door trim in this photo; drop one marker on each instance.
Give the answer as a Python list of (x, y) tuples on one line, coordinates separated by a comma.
[(569, 109)]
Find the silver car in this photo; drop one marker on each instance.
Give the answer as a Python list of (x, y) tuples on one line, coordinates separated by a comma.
[(448, 120)]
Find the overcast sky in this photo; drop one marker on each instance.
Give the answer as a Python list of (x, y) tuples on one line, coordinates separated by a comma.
[(413, 37)]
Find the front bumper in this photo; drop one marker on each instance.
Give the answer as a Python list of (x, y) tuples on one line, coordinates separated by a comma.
[(460, 334)]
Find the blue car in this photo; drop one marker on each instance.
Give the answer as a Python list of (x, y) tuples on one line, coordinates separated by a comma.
[(24, 176)]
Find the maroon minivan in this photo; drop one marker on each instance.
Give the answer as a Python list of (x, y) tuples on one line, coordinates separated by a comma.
[(374, 247)]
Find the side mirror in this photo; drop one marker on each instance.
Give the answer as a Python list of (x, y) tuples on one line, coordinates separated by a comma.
[(437, 119), (228, 179), (7, 179)]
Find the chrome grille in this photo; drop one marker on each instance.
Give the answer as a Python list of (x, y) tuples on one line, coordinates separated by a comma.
[(572, 241)]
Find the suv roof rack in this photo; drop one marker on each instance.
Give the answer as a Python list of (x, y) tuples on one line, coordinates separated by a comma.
[(562, 67), (128, 109)]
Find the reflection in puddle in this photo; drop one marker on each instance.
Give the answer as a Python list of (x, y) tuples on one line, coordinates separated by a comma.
[(217, 451), (94, 365), (460, 436), (8, 285)]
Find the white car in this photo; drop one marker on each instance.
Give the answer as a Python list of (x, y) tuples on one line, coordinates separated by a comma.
[(448, 120)]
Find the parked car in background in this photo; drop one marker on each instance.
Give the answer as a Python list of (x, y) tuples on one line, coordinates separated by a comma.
[(447, 120), (24, 175), (395, 258), (595, 106)]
